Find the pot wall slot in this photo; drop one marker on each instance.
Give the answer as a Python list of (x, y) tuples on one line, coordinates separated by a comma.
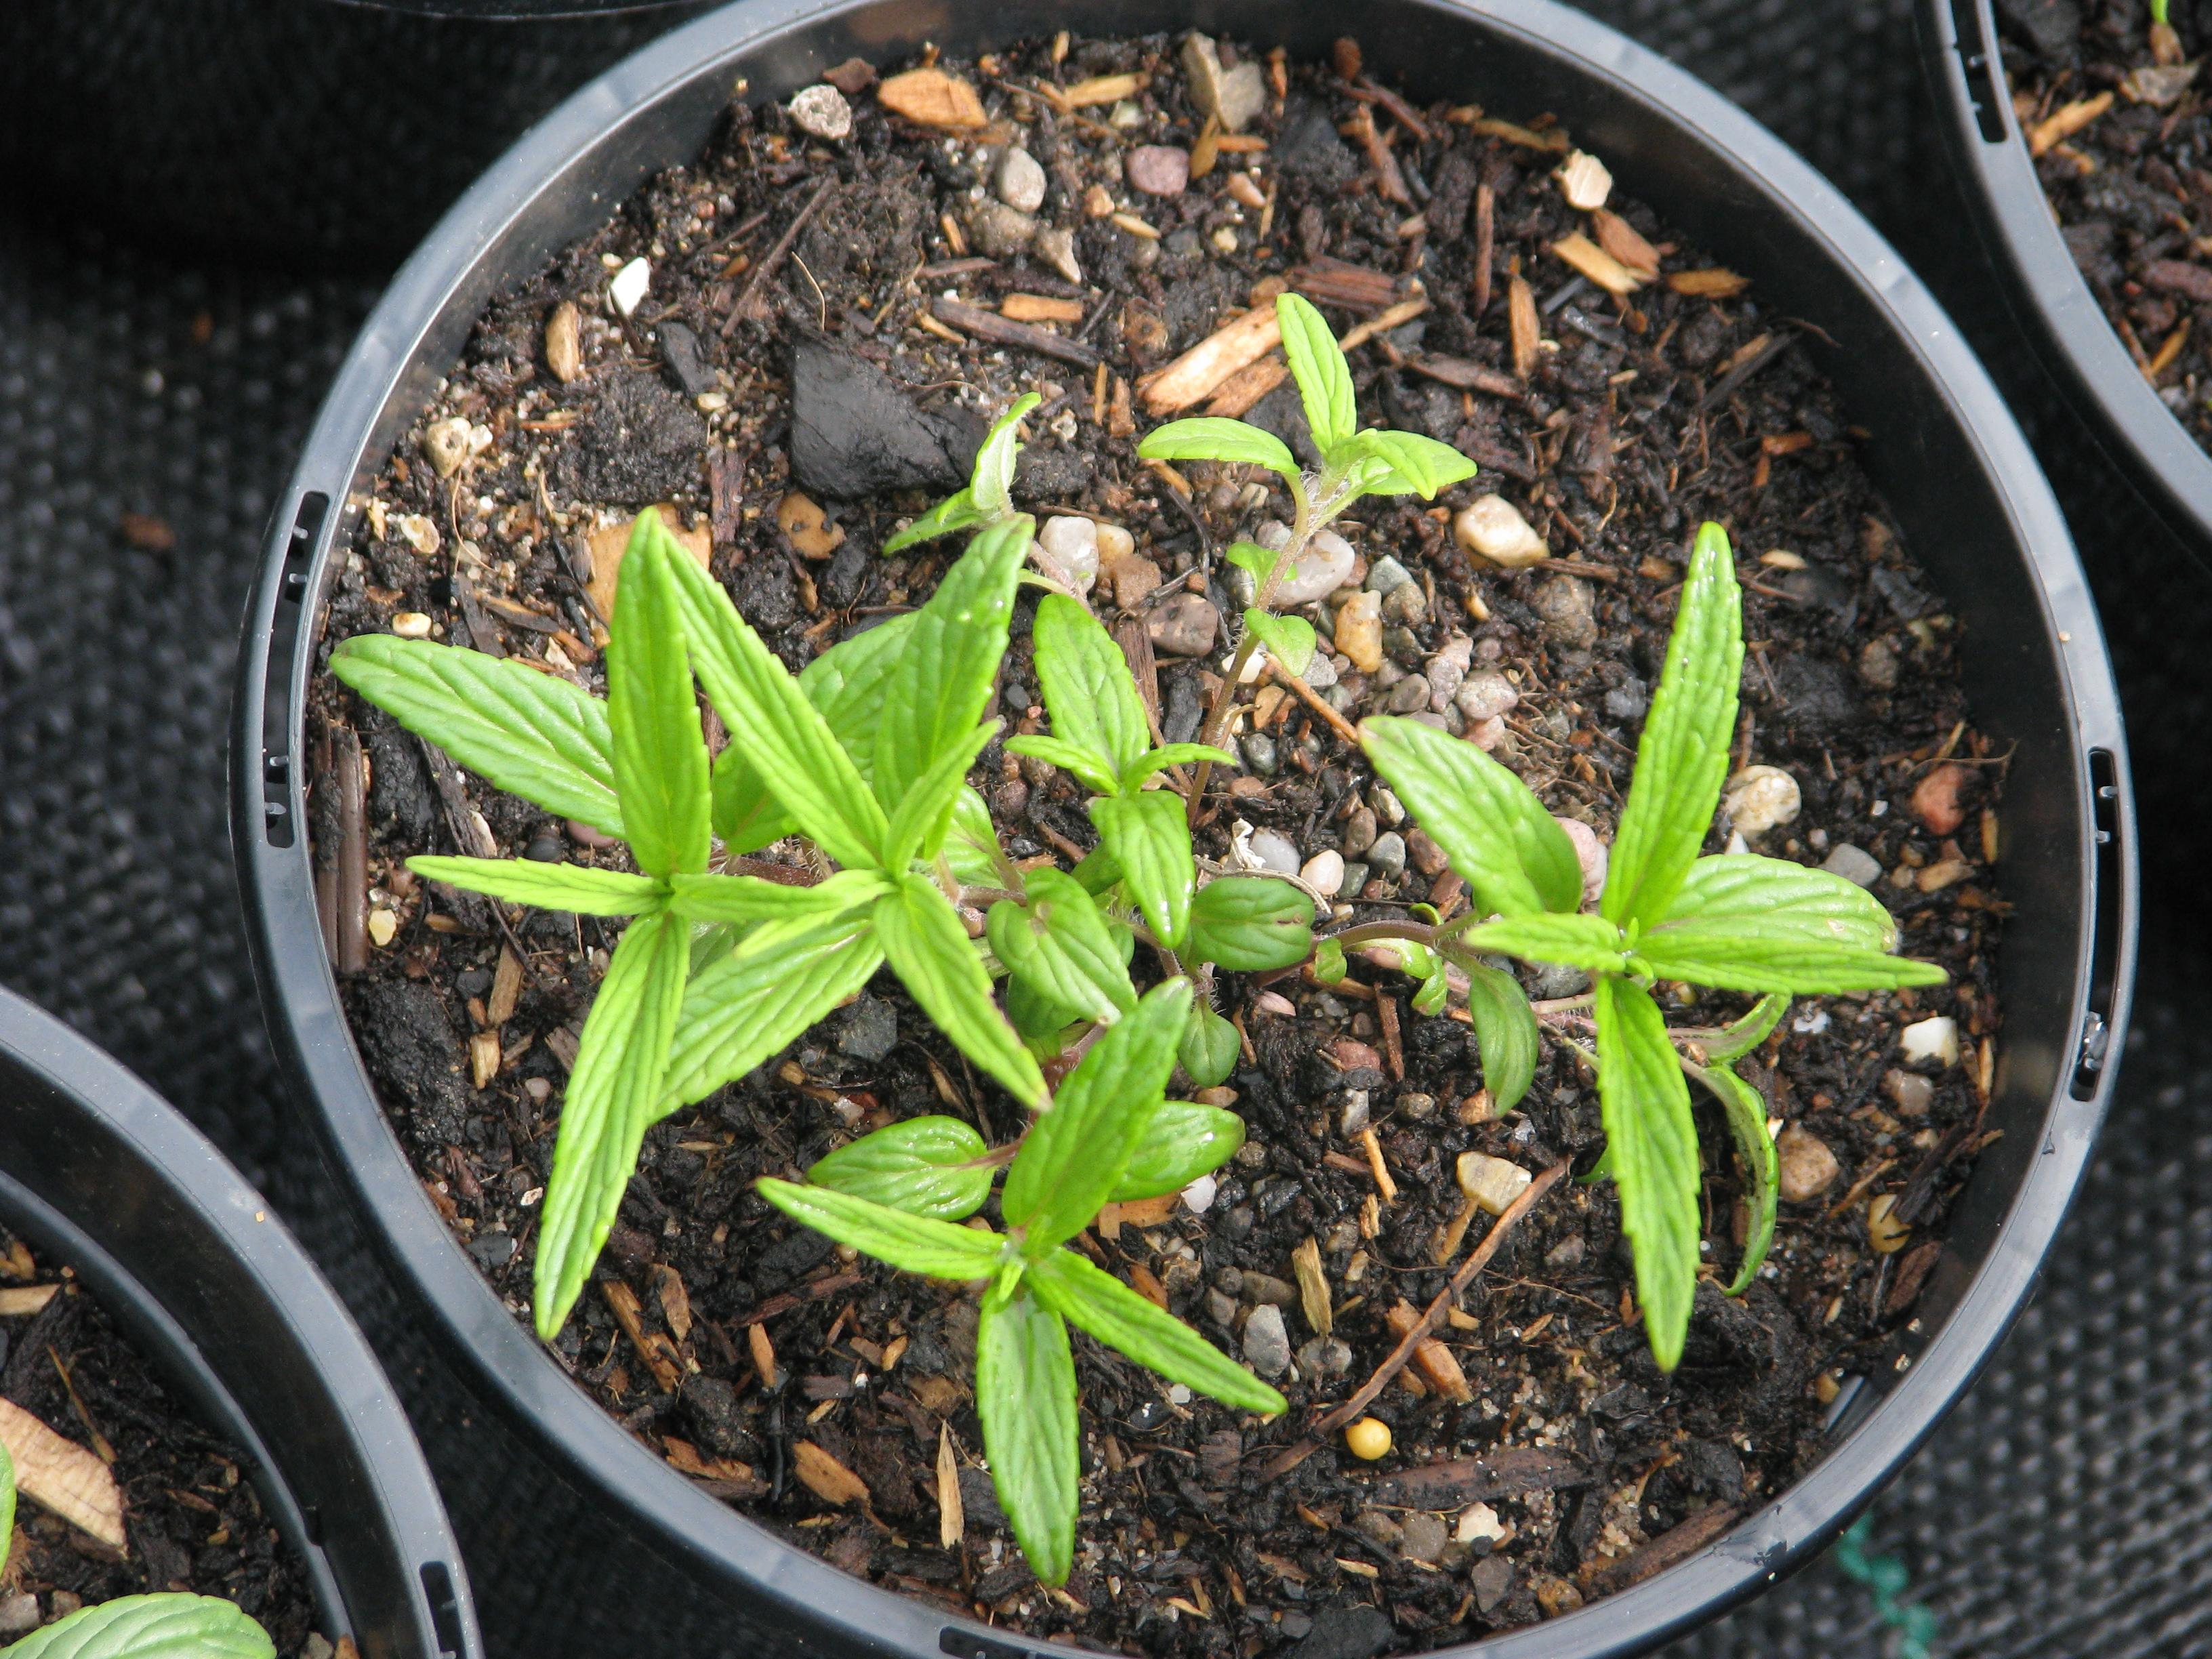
[(444, 1606), (1974, 58), (2104, 946), (966, 1644), (277, 726)]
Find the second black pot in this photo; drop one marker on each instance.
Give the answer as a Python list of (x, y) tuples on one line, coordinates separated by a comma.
[(573, 1524)]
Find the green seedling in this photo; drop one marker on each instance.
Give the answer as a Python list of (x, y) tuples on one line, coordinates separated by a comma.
[(170, 1625), (1110, 1135), (1731, 921)]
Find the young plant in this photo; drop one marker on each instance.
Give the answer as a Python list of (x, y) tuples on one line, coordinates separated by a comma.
[(1353, 463), (896, 1195), (171, 1624), (1734, 921), (988, 497), (1101, 737)]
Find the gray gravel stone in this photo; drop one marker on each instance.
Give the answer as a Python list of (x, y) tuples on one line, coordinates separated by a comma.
[(1266, 1344)]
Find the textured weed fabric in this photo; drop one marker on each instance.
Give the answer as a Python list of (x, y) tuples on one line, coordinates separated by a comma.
[(2066, 1508)]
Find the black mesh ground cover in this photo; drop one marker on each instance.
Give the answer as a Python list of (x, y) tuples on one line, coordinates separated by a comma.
[(2064, 1509)]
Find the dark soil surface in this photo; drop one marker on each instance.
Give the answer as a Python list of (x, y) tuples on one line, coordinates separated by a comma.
[(191, 1515), (809, 345), (2123, 148)]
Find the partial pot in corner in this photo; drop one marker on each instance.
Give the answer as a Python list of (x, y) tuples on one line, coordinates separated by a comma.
[(100, 1175), (581, 1509)]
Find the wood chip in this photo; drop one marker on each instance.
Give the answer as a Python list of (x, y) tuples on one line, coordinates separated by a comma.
[(1714, 282), (564, 348), (1521, 313), (18, 1300), (731, 1478), (1327, 281), (825, 1477), (1040, 308), (506, 986), (1663, 1552), (1464, 376), (1553, 139), (1005, 330), (675, 1301), (484, 1058), (756, 1338), (1595, 263), (951, 1518), (1313, 1287), (1098, 89), (1201, 371), (1626, 243), (610, 541), (931, 97), (1248, 386), (2065, 121), (1404, 312), (62, 1477), (1507, 1472), (1436, 1361), (656, 1350), (1377, 1167)]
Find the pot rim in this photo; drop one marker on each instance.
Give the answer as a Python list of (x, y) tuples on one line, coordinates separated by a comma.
[(450, 268), (139, 1167)]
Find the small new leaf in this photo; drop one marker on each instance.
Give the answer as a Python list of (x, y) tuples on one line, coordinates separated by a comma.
[(1651, 1144), (1088, 766), (1093, 1300), (1747, 1033), (571, 887), (1258, 560), (1746, 1120), (1404, 463), (917, 1244), (993, 478), (1251, 924), (1505, 1033), (925, 1166), (920, 824), (956, 512), (1210, 438), (1567, 940), (1061, 948), (1025, 1396), (653, 714), (1289, 640), (1171, 754), (1495, 833), (1181, 1141), (1317, 365), (1209, 1048), (1149, 838)]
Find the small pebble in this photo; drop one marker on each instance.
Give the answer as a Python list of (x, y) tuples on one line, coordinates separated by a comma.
[(1055, 245), (1185, 626), (1324, 873), (1584, 180), (1425, 1536), (1494, 529), (1807, 1168), (1071, 542), (1407, 604), (1198, 1197), (1266, 1343), (1427, 857), (1357, 1115), (1386, 576), (411, 624), (1591, 851), (1358, 831), (1000, 231), (821, 111), (1446, 671), (1157, 169), (1486, 695), (1325, 1356), (1355, 879), (1910, 1093), (1235, 96), (1325, 566), (1260, 757), (629, 286), (1853, 865), (446, 445), (1761, 798), (1409, 694), (1360, 631), (1387, 857), (1019, 180), (1885, 1231), (1367, 1439), (1492, 1182), (1275, 852), (1934, 1038), (383, 928), (1569, 611), (1936, 799)]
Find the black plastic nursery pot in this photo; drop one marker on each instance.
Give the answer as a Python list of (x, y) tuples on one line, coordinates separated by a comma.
[(574, 1528), (99, 1174)]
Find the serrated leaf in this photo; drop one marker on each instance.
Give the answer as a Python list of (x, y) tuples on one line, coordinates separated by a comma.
[(1745, 1110), (936, 695), (167, 1625), (1075, 1153), (1505, 1033), (956, 512), (652, 712), (1564, 939), (743, 899), (1181, 1141), (971, 843), (1682, 758), (614, 1093), (760, 997), (1171, 754), (1289, 640), (1652, 1144), (1404, 463), (923, 940), (1025, 1398), (1747, 1033), (1258, 560), (1211, 438), (527, 733), (1746, 887), (571, 887), (993, 486), (1251, 924), (1210, 1048), (1494, 831), (1088, 688), (846, 683), (1150, 839), (1059, 947), (1086, 765), (925, 1166), (1777, 954), (1093, 1300), (786, 737), (913, 1243), (925, 816), (745, 816), (1317, 365)]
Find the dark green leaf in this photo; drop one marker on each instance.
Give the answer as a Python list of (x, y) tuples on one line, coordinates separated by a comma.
[(1504, 1033), (1062, 949), (1317, 365), (1569, 939), (571, 887), (754, 1001), (994, 461), (1170, 754), (1210, 438), (1746, 1120), (926, 1166), (167, 1625), (1087, 766), (956, 512), (652, 712), (1289, 640), (1095, 1301), (1038, 1019), (913, 1243), (527, 733), (614, 1094), (930, 950), (1098, 871), (1209, 1048), (1683, 758), (1076, 1153), (742, 899), (1025, 1397), (1495, 832), (1088, 688), (1747, 1033), (1251, 924), (1406, 463), (1181, 1141), (1150, 839), (1653, 1144), (924, 818)]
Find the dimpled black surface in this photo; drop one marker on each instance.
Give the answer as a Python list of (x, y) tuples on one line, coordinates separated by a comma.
[(2061, 1509)]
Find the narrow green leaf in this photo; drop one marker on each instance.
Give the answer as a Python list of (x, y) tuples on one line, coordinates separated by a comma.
[(742, 899), (1781, 953), (1210, 438), (1076, 1153), (1406, 463), (927, 948), (1567, 940), (925, 816), (614, 1093), (1093, 1300), (793, 748), (7, 1505), (167, 1625), (1210, 1048), (956, 512), (848, 682), (530, 733), (1289, 640), (572, 887), (1086, 765), (1251, 924), (1167, 755), (1060, 947), (1181, 1141), (1150, 839), (1025, 1396), (1088, 688), (1745, 1110), (1505, 1033), (913, 1243), (1744, 887), (760, 997), (1497, 834), (1683, 758), (993, 488), (1317, 365), (1653, 1146), (652, 712), (926, 1166), (744, 813), (1747, 1033)]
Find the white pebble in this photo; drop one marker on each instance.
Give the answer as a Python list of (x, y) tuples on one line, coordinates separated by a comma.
[(1324, 566), (1275, 852), (1934, 1038), (1854, 865), (1324, 873), (1494, 528), (410, 625), (627, 287), (1356, 1113), (1761, 798), (1585, 181), (821, 111), (1492, 1182), (1019, 180), (1071, 544), (1198, 1197), (1590, 851)]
